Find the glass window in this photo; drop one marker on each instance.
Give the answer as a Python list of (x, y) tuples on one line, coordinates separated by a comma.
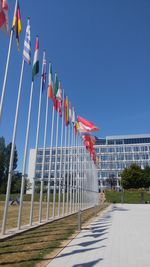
[(110, 142), (111, 149), (119, 149), (128, 149), (119, 142)]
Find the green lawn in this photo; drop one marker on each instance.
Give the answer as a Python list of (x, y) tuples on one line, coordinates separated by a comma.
[(37, 245), (126, 197)]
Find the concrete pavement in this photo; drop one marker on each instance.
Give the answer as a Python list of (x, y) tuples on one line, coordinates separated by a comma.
[(120, 237)]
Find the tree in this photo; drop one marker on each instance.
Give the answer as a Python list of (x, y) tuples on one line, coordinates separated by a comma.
[(132, 177), (7, 158), (146, 176), (2, 163)]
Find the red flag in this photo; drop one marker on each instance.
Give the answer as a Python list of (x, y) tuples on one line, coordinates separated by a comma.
[(86, 126), (4, 15)]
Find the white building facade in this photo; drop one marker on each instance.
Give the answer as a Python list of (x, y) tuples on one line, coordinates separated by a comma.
[(114, 152)]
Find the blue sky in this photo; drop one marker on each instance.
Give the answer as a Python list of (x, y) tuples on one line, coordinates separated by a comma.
[(101, 52)]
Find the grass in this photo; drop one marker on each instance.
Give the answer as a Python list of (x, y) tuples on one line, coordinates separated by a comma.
[(36, 245), (13, 210), (131, 197), (13, 213)]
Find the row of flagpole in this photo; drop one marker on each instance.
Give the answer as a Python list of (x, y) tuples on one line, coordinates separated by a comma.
[(70, 143)]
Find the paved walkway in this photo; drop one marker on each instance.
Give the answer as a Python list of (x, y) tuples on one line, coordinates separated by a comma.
[(118, 238)]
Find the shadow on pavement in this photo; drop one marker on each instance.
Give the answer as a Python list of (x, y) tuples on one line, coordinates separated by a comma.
[(77, 251), (88, 264)]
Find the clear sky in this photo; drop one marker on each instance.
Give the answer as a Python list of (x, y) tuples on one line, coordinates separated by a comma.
[(101, 52)]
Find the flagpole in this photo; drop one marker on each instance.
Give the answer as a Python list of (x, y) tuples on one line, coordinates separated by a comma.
[(76, 171), (25, 156), (12, 152), (82, 177), (6, 68), (68, 171), (71, 169), (64, 169), (55, 170), (43, 159), (61, 154), (50, 161), (36, 143)]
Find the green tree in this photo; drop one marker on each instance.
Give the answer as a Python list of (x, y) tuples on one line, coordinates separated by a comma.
[(7, 158), (146, 176), (2, 163), (132, 177)]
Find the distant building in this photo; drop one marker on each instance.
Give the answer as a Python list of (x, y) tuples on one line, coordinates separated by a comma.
[(118, 152), (115, 153)]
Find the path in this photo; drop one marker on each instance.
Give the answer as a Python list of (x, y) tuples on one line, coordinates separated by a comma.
[(120, 237)]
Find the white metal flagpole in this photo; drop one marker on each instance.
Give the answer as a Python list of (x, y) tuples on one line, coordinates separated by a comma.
[(64, 171), (25, 156), (43, 159), (50, 167), (71, 170), (27, 58), (61, 156), (36, 143), (6, 68), (12, 152), (55, 168), (68, 170), (76, 175)]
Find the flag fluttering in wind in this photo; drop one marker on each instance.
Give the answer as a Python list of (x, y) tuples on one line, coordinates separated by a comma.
[(4, 15), (50, 82), (17, 24), (73, 118), (27, 45), (66, 110), (85, 125), (89, 142), (44, 74), (58, 100), (35, 69), (56, 85), (70, 112)]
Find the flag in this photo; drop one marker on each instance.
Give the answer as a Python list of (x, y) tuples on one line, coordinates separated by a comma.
[(89, 142), (85, 125), (27, 45), (66, 110), (59, 93), (73, 118), (4, 15), (44, 73), (58, 100), (50, 82), (56, 85), (70, 112), (35, 68), (76, 127), (17, 24)]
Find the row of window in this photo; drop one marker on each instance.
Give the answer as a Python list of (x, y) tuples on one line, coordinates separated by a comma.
[(116, 157), (64, 151), (122, 149)]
